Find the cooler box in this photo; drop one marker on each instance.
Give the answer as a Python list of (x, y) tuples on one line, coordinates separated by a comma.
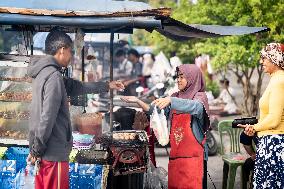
[(87, 176)]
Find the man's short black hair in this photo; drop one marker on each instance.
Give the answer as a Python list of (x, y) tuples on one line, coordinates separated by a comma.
[(55, 40), (120, 52), (134, 52)]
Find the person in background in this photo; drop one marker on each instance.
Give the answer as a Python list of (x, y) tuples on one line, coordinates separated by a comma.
[(269, 164), (203, 62), (124, 66), (133, 57), (189, 116), (247, 170), (226, 98), (93, 67), (148, 62), (175, 61), (132, 82), (50, 131)]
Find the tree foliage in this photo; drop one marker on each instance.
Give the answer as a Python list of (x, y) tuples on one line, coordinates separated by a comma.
[(238, 54)]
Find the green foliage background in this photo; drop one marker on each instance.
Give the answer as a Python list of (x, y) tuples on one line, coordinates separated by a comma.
[(239, 54), (237, 49)]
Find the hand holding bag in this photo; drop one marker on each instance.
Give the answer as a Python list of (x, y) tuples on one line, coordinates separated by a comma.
[(158, 122)]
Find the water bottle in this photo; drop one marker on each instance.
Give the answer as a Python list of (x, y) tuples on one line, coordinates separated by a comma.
[(29, 176), (20, 180)]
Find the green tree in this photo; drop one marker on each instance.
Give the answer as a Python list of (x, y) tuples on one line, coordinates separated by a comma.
[(237, 54)]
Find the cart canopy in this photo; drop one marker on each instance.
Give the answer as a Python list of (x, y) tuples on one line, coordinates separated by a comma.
[(101, 16)]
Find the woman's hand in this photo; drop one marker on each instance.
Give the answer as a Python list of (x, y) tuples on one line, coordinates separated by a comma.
[(118, 85), (129, 99), (249, 129), (162, 102), (126, 83)]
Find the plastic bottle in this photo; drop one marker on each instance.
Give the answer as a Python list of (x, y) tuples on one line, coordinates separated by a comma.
[(20, 179), (29, 176)]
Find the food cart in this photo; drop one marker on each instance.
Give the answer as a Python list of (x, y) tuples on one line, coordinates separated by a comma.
[(120, 152)]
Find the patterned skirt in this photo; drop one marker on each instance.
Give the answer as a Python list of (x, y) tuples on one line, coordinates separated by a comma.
[(269, 165)]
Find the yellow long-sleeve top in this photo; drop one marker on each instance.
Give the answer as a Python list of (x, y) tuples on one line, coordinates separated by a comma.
[(271, 105)]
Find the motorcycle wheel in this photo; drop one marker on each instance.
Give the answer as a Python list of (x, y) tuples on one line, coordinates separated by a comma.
[(212, 144)]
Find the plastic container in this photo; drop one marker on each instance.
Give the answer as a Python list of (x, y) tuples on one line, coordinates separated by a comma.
[(85, 176), (82, 139)]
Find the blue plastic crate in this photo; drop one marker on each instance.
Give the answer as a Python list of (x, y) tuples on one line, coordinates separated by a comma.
[(8, 181), (19, 154), (87, 176), (9, 178)]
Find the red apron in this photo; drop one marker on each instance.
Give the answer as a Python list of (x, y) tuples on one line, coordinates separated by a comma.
[(186, 156), (151, 145)]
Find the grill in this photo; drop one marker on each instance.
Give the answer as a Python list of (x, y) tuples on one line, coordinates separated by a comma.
[(128, 149), (92, 156)]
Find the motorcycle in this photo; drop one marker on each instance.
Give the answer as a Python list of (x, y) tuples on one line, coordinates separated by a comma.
[(211, 143), (210, 139)]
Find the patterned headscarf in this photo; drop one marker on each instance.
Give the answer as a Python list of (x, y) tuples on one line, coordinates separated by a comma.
[(195, 88), (275, 53)]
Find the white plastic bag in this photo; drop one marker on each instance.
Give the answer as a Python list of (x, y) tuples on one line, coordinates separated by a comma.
[(158, 122)]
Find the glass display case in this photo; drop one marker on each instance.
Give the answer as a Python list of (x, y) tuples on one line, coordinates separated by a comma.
[(15, 98), (86, 112)]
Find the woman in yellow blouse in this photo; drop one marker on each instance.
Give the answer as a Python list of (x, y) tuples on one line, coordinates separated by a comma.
[(269, 166)]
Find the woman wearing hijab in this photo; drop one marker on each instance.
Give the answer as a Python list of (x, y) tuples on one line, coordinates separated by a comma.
[(188, 112), (269, 165)]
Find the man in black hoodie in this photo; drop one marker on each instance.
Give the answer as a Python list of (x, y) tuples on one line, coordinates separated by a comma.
[(50, 136)]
